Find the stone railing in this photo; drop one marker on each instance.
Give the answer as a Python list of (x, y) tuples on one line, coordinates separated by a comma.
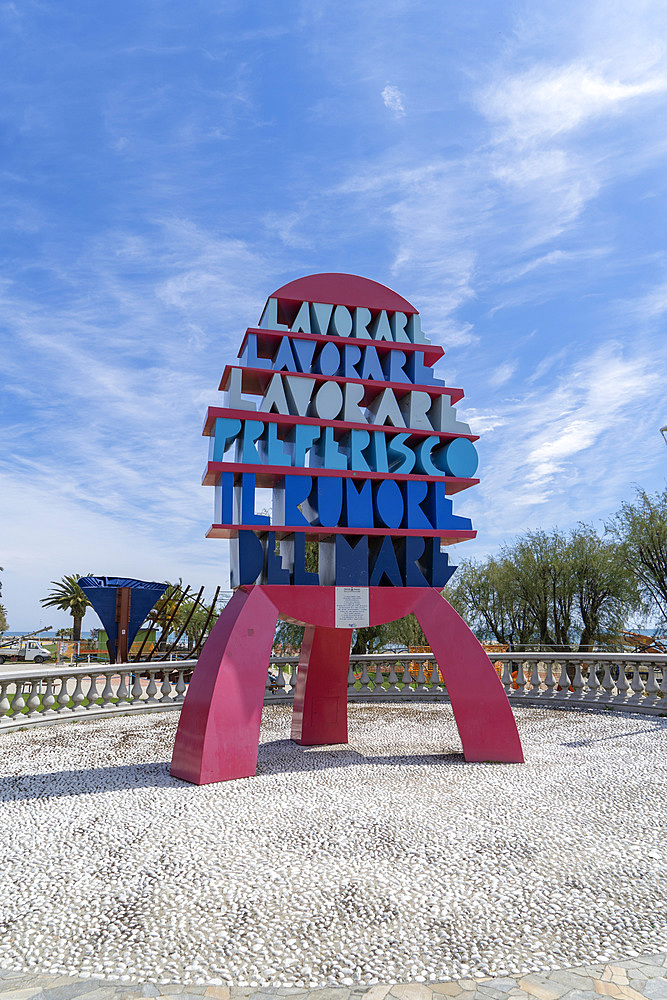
[(624, 682)]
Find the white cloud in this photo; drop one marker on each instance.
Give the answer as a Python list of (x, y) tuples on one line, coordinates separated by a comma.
[(480, 423), (503, 373), (654, 304), (393, 100), (544, 102), (101, 467), (573, 447)]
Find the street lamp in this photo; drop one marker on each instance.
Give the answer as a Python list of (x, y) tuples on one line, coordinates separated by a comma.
[(663, 431)]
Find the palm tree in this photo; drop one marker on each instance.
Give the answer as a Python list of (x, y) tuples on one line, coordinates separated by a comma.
[(67, 595)]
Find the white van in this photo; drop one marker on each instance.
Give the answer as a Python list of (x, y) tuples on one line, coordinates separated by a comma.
[(30, 651)]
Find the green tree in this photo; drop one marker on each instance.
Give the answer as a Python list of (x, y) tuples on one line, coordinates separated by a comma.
[(179, 608), (163, 613), (67, 595), (606, 592), (405, 632), (547, 588), (642, 528), (542, 570), (488, 598), (199, 617), (3, 618), (64, 633), (371, 639)]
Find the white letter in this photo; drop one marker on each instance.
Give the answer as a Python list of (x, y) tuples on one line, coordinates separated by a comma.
[(274, 396), (414, 407), (362, 318), (385, 408), (443, 416), (328, 402), (269, 318), (302, 322), (233, 397), (341, 322), (298, 391), (398, 322), (353, 394)]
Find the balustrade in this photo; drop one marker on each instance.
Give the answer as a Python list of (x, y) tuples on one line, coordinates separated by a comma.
[(626, 682)]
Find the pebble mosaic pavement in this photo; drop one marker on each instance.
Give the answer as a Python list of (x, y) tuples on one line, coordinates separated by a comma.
[(385, 869)]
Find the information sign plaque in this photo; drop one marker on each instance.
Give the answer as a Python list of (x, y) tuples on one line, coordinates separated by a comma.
[(352, 607)]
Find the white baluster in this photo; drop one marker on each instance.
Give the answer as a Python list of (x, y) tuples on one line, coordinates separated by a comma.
[(107, 692), (63, 695), (378, 680), (550, 681), (137, 689), (607, 684), (592, 680), (151, 690), (535, 678), (365, 680), (520, 678), (652, 687), (577, 681), (49, 700), (78, 695), (33, 703), (406, 679), (435, 679), (393, 679), (420, 683), (280, 680), (165, 689), (563, 681), (622, 686), (5, 704), (180, 686), (637, 685), (350, 679), (663, 682), (506, 676), (91, 694), (123, 689), (294, 669), (18, 701)]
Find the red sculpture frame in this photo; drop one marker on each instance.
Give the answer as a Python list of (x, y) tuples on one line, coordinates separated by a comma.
[(218, 731)]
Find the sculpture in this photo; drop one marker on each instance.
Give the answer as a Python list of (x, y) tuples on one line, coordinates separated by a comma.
[(362, 448)]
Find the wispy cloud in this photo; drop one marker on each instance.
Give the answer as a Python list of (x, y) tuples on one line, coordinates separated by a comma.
[(393, 100), (544, 103), (569, 448), (503, 373)]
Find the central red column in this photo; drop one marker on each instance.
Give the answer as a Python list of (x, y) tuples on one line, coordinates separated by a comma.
[(320, 698)]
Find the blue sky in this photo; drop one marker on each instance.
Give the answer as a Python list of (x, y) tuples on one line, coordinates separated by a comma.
[(165, 166)]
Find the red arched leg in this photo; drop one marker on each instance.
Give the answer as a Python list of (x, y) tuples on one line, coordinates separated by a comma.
[(320, 699), (218, 732), (481, 709)]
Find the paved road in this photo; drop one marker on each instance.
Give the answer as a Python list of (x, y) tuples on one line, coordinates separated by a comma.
[(641, 977)]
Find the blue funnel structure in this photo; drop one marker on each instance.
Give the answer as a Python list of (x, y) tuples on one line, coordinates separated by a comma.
[(122, 606)]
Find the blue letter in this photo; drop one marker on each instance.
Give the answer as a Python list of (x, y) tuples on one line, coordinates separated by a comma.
[(246, 559), (388, 504), (385, 564), (351, 561), (358, 512), (458, 458), (226, 429)]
